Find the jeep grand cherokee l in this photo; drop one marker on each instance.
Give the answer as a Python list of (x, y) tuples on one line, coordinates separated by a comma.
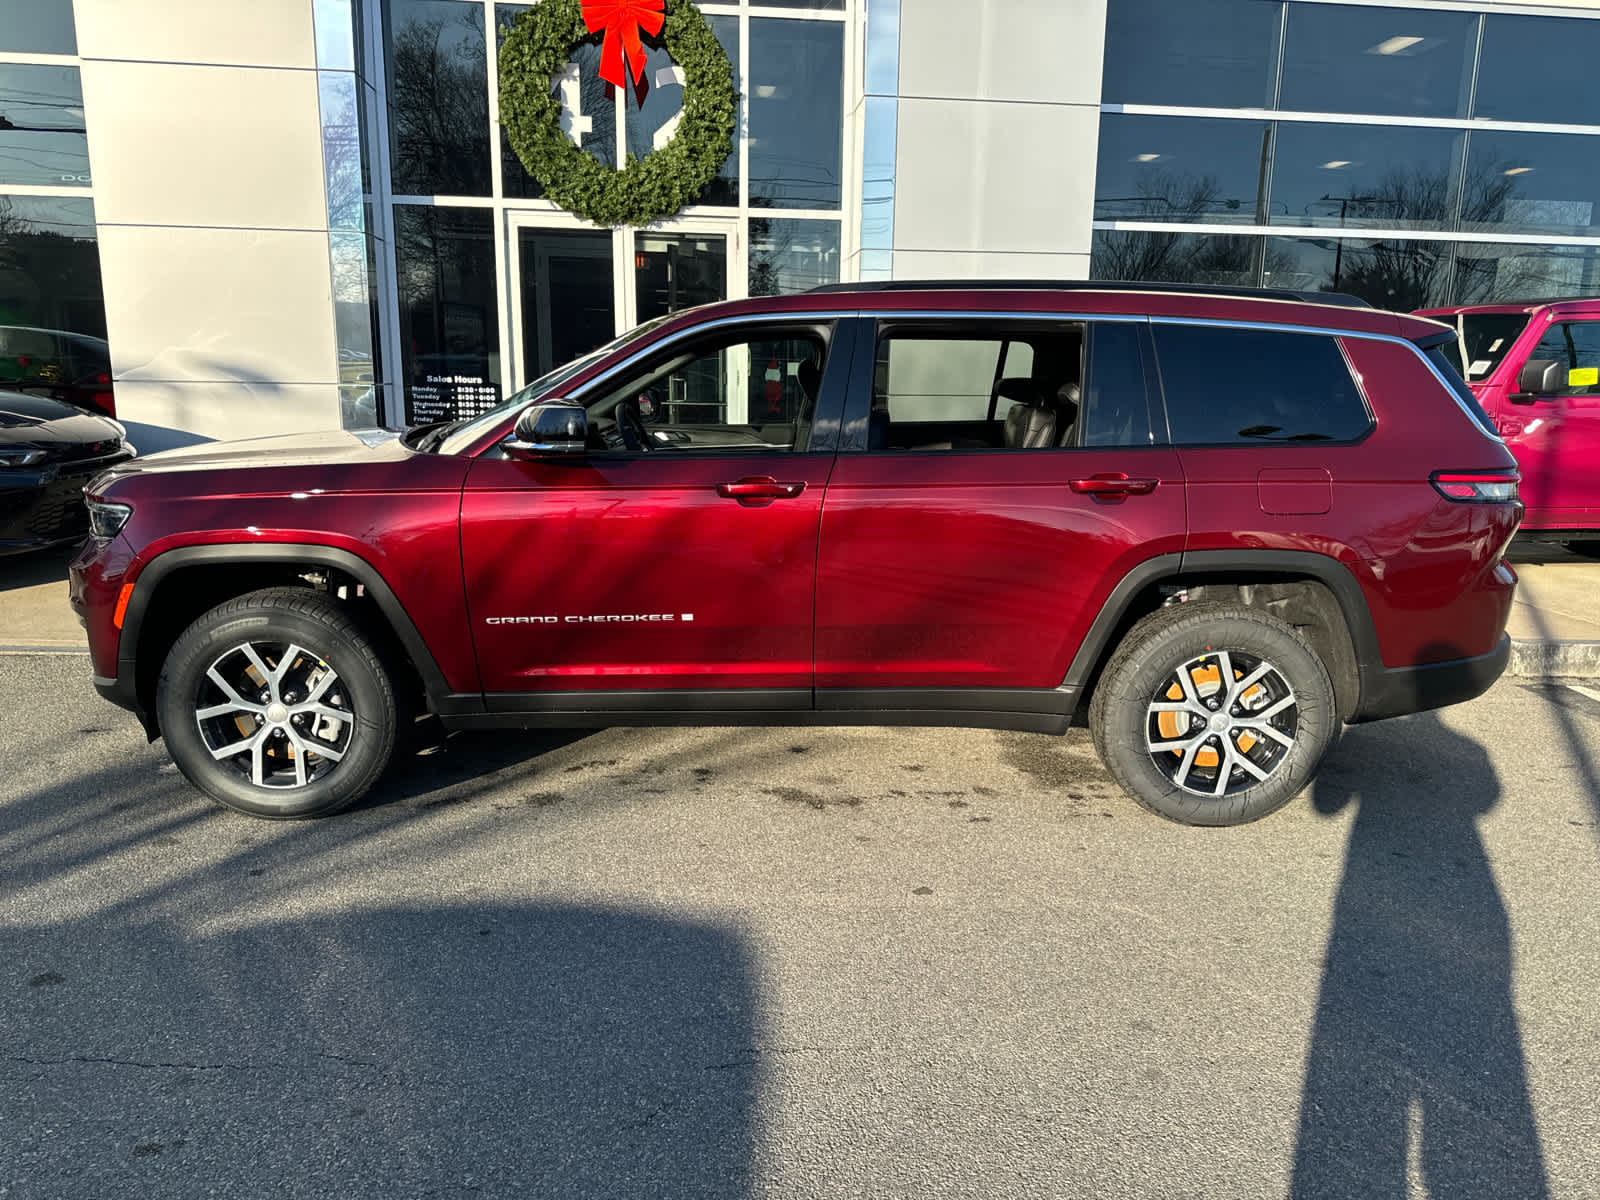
[(1221, 523)]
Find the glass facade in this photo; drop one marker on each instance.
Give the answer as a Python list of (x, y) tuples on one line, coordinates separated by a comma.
[(483, 260), (1362, 148), (52, 310)]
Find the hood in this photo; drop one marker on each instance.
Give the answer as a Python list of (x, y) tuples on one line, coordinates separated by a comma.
[(328, 447), (41, 421)]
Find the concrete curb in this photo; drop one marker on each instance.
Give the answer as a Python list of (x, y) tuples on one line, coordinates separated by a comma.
[(1554, 660)]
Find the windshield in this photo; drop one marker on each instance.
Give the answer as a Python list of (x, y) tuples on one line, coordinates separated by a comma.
[(461, 436), (1485, 339)]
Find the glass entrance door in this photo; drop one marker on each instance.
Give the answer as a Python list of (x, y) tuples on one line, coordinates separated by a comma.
[(575, 287)]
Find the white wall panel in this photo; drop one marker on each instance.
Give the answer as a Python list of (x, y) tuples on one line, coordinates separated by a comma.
[(1042, 50), (994, 177), (223, 305), (182, 145), (263, 33), (969, 264), (162, 415)]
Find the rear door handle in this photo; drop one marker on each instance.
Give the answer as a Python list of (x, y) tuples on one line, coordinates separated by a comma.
[(759, 489), (1113, 484)]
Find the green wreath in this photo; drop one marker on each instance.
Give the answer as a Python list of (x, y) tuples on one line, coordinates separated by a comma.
[(539, 46)]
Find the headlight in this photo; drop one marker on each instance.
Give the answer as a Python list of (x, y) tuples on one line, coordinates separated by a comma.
[(22, 458), (107, 520)]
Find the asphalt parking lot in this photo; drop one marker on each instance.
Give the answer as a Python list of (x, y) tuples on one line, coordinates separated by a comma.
[(802, 963)]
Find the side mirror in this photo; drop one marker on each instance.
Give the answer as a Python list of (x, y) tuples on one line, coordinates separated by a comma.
[(1539, 377), (557, 426)]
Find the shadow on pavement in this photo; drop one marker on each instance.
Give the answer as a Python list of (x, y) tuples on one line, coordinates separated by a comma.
[(226, 1008), (502, 1049), (35, 567), (1416, 1062)]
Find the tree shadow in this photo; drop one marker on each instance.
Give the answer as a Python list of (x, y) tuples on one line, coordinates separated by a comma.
[(1416, 1063)]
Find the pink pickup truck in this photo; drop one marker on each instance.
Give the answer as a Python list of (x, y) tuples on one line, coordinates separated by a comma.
[(1534, 366)]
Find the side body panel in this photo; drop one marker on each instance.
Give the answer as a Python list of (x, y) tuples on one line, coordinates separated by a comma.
[(1429, 569), (635, 574)]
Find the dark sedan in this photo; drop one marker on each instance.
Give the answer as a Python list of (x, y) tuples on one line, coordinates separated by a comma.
[(48, 451)]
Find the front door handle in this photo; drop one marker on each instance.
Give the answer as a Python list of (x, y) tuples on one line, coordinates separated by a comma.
[(1113, 484), (756, 490)]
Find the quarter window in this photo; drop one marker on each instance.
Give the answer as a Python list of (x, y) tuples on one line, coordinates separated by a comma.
[(1246, 386)]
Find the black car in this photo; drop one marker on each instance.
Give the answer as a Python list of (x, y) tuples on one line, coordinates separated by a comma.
[(48, 451)]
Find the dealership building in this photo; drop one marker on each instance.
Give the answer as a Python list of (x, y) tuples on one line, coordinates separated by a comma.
[(283, 215)]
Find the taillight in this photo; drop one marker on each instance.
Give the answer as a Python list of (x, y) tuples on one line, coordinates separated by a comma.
[(1476, 487)]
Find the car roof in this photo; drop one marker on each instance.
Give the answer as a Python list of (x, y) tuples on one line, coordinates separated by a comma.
[(1560, 304), (1054, 297)]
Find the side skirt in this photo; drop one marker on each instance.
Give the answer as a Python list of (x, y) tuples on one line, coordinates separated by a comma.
[(1029, 710)]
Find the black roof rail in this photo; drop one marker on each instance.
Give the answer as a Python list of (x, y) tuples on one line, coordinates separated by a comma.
[(1097, 285)]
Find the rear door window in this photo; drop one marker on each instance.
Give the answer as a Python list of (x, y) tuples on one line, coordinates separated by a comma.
[(1116, 409), (1234, 386), (1485, 340)]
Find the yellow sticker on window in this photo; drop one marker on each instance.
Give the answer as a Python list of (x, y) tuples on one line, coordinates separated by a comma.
[(1583, 377)]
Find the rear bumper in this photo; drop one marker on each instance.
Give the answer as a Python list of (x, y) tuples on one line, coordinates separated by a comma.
[(1396, 691)]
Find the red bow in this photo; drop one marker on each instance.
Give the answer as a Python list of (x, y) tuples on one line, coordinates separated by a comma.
[(622, 20)]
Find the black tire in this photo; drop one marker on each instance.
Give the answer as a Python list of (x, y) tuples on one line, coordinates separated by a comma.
[(331, 643), (1146, 668), (1585, 547)]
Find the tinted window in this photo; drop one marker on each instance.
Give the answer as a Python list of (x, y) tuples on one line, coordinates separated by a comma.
[(1361, 59), (650, 123), (1247, 386), (42, 137), (1561, 52), (1364, 176), (438, 97), (1443, 359), (37, 26), (1214, 52), (1576, 346), (449, 311), (792, 255), (1531, 183), (1490, 271), (1178, 169), (796, 113), (1148, 255), (1399, 275), (1116, 411)]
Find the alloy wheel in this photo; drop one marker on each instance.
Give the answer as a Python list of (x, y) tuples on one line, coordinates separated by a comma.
[(276, 712), (1221, 722)]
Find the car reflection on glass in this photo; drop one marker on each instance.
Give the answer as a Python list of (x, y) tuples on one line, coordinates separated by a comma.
[(74, 368), (48, 451)]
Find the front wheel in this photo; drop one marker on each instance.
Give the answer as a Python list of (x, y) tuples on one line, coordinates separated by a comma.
[(1212, 714), (277, 705)]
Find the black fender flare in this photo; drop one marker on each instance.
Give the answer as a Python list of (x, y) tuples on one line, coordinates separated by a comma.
[(1177, 568), (149, 580)]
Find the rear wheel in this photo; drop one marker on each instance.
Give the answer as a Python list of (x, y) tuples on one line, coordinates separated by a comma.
[(277, 705), (1213, 714)]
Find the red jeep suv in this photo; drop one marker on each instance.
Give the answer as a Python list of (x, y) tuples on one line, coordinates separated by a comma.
[(1223, 523), (1534, 366)]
